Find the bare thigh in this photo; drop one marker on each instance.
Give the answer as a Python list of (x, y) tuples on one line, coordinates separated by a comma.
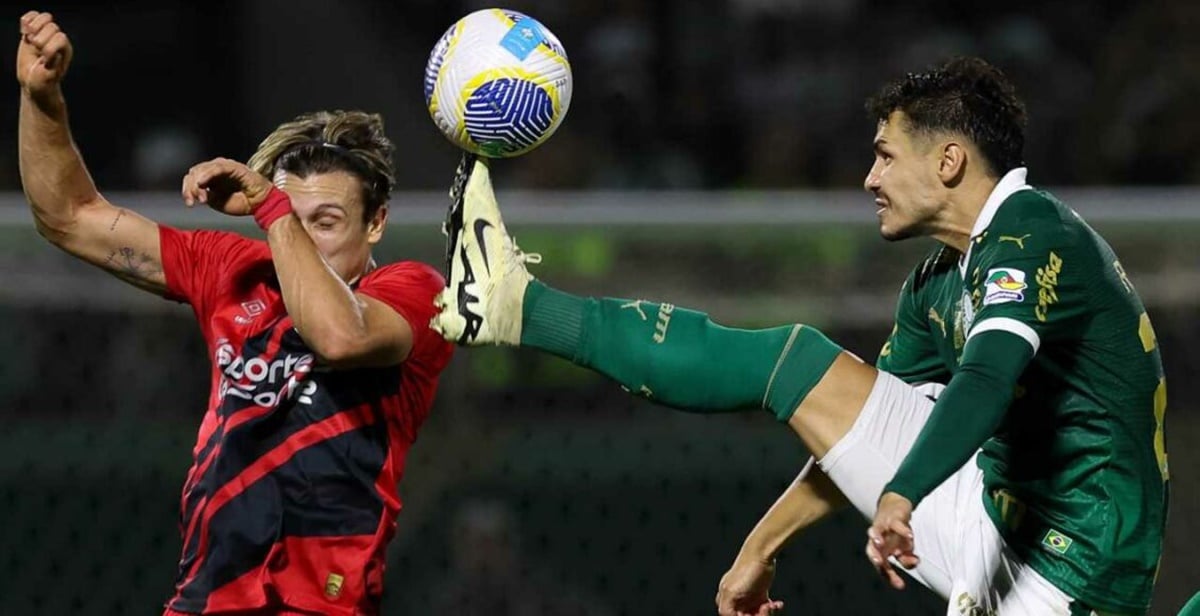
[(833, 405)]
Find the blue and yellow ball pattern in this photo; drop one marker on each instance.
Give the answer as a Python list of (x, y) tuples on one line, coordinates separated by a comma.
[(498, 83)]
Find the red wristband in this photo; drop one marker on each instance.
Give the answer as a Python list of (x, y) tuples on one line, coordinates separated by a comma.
[(275, 206)]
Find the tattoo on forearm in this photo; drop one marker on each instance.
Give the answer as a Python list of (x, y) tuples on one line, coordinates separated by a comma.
[(120, 214), (132, 266)]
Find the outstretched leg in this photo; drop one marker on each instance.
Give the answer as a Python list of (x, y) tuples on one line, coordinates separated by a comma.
[(858, 423), (674, 356)]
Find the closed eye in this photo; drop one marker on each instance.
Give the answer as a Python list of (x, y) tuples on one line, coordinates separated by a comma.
[(327, 216)]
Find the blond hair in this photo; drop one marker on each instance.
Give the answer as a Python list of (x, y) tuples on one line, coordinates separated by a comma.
[(325, 141)]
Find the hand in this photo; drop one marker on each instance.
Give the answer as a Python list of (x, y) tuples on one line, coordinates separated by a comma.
[(743, 589), (891, 536), (227, 186), (43, 54)]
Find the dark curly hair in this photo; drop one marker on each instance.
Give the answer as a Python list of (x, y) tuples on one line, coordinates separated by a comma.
[(325, 141), (967, 96)]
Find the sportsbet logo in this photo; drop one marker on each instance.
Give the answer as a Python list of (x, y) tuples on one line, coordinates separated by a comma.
[(262, 382), (1056, 541), (1004, 285)]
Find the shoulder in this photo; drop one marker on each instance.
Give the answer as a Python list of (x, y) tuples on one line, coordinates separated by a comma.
[(409, 288), (197, 262), (409, 272), (939, 261), (1033, 217), (228, 243), (930, 273), (407, 282)]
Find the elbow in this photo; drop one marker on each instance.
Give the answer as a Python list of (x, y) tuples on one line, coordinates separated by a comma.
[(358, 351), (60, 225), (55, 231), (339, 350)]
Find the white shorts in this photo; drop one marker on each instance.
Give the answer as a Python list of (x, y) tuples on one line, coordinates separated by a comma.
[(963, 557)]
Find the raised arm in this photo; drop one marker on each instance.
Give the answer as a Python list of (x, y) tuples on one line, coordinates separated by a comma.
[(67, 208), (346, 329)]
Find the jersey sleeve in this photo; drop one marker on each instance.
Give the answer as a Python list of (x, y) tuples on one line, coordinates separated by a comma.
[(1031, 281), (910, 352), (409, 288), (966, 414), (194, 261)]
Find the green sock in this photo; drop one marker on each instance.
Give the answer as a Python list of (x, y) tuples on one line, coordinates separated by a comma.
[(678, 357)]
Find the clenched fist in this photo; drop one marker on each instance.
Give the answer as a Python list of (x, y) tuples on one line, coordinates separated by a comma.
[(43, 54), (227, 186)]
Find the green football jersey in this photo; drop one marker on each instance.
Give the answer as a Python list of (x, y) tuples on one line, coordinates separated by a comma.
[(1076, 476)]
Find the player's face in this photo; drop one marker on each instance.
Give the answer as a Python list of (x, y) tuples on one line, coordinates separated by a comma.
[(904, 179), (330, 207)]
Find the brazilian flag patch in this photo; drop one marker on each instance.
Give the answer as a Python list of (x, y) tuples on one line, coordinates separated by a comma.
[(1056, 541)]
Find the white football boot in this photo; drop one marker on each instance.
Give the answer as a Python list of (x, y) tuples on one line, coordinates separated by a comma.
[(485, 271)]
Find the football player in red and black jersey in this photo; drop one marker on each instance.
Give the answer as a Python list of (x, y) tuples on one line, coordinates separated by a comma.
[(323, 365)]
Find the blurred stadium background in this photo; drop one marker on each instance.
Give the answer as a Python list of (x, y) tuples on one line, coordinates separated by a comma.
[(712, 157)]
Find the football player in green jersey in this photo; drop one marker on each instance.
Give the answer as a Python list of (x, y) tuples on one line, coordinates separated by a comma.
[(1008, 445)]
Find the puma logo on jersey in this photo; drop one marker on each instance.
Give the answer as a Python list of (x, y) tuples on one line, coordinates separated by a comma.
[(937, 318), (1019, 241)]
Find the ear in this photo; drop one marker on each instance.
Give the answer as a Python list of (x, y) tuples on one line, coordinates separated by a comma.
[(376, 224), (952, 162)]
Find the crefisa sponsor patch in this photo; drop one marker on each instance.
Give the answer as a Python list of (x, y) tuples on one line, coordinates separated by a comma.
[(1004, 285)]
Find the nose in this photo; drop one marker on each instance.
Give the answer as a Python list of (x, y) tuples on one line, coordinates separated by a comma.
[(871, 182)]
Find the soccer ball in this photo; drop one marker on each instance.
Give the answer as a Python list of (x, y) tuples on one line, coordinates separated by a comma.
[(498, 83)]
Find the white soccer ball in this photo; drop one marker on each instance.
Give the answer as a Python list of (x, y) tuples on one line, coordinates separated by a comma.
[(498, 83)]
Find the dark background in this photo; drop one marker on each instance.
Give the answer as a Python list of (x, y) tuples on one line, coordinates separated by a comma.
[(712, 157)]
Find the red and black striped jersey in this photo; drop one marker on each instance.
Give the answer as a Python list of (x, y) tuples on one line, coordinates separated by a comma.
[(292, 494)]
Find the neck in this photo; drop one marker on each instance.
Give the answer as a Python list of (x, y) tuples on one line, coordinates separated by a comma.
[(963, 206), (358, 273)]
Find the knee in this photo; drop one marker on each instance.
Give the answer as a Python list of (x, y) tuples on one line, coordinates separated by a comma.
[(829, 411)]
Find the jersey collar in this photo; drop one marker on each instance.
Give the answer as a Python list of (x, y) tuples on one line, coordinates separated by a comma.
[(1012, 183)]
